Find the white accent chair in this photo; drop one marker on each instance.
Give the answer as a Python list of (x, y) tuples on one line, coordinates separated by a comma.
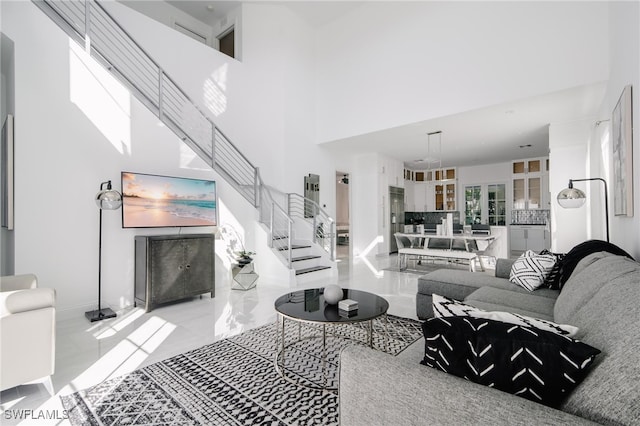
[(27, 332), (488, 252)]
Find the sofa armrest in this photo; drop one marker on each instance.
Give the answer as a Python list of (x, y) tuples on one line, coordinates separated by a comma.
[(376, 388), (503, 267), (18, 282), (13, 302)]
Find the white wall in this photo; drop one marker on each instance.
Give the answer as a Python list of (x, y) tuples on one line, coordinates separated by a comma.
[(484, 174), (65, 148), (568, 156), (393, 63), (369, 185), (298, 85), (624, 63), (244, 99), (591, 152), (264, 104), (366, 206)]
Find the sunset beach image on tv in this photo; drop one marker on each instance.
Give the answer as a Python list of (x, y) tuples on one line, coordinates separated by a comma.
[(165, 201)]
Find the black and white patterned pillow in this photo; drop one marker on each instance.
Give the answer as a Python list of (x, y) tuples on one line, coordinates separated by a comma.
[(552, 280), (445, 307), (530, 269), (534, 364)]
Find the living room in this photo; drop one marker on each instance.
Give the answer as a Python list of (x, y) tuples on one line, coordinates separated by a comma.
[(65, 146)]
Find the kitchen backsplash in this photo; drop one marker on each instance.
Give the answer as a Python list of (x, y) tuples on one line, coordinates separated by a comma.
[(529, 217), (419, 218)]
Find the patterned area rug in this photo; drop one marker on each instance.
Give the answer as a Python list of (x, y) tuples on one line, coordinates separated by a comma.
[(234, 381)]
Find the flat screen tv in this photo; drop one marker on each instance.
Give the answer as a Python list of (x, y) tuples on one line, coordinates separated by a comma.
[(153, 201)]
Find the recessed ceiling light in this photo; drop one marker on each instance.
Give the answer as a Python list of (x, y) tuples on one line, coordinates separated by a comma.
[(210, 7), (526, 146)]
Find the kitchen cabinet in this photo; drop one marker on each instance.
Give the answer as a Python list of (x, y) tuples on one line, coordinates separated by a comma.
[(445, 189), (431, 190), (421, 195), (528, 237), (445, 196), (530, 184)]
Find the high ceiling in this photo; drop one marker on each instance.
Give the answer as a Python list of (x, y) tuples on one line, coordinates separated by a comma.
[(498, 133)]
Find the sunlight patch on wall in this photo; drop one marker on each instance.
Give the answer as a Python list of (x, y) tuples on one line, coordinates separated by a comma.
[(190, 160), (377, 240), (214, 90), (101, 98), (227, 218)]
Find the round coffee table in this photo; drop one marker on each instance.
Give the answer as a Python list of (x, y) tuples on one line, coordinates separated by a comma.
[(309, 307)]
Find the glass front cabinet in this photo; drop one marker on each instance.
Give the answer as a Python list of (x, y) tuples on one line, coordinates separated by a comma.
[(530, 184), (433, 189), (445, 197)]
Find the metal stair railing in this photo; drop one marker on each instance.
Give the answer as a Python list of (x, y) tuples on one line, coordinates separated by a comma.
[(323, 226), (279, 223), (89, 24)]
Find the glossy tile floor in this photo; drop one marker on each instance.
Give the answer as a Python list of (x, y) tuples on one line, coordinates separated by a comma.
[(87, 354)]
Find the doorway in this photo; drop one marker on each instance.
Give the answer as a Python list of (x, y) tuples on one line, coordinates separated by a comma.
[(227, 43), (396, 216), (342, 215)]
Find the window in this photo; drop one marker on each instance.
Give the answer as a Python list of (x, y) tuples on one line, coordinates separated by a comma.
[(472, 204), (497, 207), (494, 209)]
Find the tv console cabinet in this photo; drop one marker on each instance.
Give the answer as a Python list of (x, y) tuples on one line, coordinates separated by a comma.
[(169, 268)]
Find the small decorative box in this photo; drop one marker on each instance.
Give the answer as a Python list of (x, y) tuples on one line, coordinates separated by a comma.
[(348, 305), (348, 314)]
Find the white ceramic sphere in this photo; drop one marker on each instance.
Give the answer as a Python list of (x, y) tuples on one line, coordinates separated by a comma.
[(332, 294)]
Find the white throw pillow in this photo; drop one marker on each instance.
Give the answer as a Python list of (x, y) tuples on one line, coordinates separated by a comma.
[(445, 307), (530, 269)]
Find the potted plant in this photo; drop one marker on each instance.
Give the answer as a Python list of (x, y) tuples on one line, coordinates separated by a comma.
[(244, 257)]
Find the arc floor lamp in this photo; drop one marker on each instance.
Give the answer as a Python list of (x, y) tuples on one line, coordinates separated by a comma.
[(571, 198), (106, 199)]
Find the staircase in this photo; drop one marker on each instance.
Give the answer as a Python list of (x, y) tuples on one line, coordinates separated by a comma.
[(299, 232), (309, 255)]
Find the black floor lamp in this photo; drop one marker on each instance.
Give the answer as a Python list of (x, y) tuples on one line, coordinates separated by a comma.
[(571, 198), (106, 199)]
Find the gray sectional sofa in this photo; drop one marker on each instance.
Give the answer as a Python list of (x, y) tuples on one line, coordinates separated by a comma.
[(492, 293), (601, 297)]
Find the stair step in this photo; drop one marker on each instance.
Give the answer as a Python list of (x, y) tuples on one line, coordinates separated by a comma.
[(293, 247), (281, 237), (312, 269), (301, 258)]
